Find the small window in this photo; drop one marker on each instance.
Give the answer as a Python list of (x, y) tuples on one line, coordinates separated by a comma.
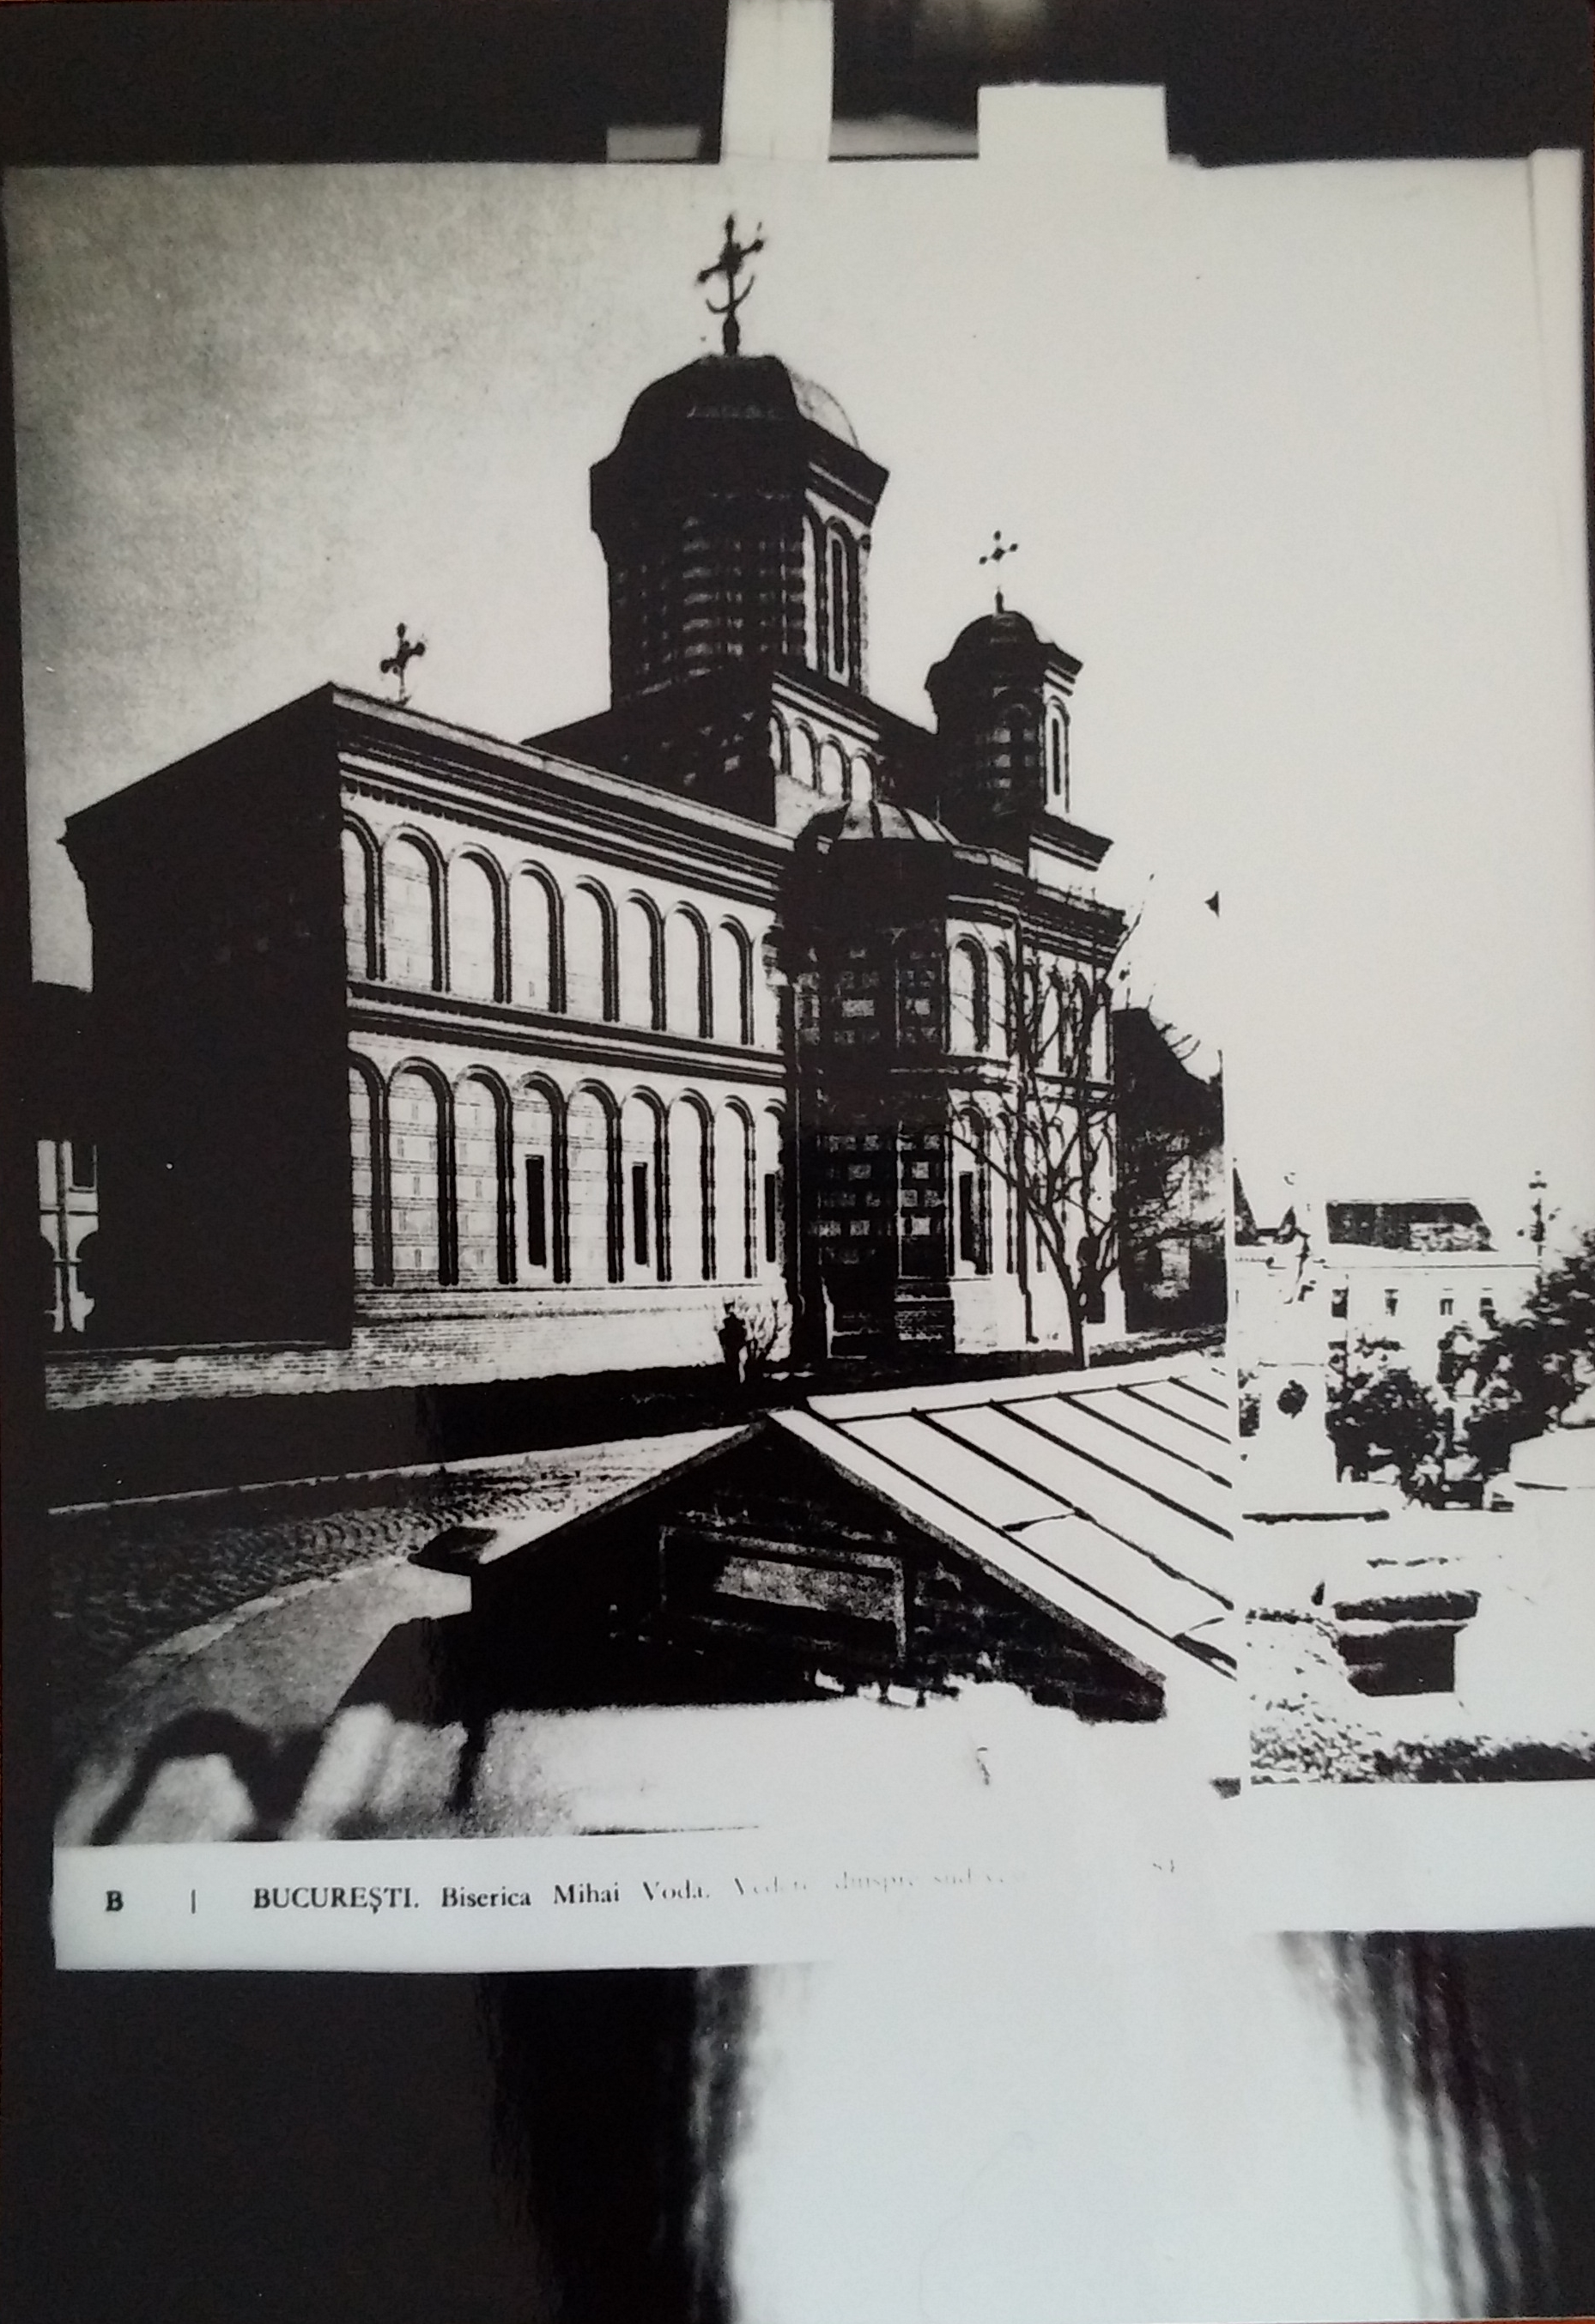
[(1486, 1307), (1392, 1302), (640, 1212), (772, 1217), (1338, 1299), (1447, 1306), (537, 1211), (82, 1163)]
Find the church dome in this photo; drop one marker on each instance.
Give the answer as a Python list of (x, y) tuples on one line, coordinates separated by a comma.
[(736, 486), (874, 819), (715, 389), (1004, 629), (818, 403)]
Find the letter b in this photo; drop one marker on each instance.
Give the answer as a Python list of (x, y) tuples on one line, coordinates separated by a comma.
[(113, 1900)]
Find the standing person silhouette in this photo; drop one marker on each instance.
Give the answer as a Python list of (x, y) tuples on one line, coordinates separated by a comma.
[(733, 1345)]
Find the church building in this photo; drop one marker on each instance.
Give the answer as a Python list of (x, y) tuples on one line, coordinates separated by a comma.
[(435, 1057)]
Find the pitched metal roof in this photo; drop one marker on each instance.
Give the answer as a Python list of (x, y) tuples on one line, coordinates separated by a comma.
[(1105, 1495)]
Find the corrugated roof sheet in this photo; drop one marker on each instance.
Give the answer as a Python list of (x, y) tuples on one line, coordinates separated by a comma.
[(1104, 1494)]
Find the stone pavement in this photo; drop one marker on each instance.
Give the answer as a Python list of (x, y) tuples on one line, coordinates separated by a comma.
[(126, 1577)]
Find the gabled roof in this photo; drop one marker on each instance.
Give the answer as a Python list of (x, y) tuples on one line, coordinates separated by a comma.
[(1104, 1495)]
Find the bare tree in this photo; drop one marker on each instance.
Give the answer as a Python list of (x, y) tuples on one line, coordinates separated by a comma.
[(1050, 1134)]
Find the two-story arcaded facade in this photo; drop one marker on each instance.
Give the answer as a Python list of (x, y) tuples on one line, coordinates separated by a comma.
[(433, 1056)]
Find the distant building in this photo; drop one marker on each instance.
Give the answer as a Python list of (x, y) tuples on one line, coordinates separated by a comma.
[(1390, 1277), (1407, 1276), (430, 1056)]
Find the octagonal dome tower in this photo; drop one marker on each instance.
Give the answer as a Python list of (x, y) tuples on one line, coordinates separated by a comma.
[(734, 515)]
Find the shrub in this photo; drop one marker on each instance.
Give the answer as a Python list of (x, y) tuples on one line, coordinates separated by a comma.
[(1380, 1417)]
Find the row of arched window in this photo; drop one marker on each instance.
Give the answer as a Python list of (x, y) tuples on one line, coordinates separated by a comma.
[(469, 1181), (819, 763), (1067, 1019), (462, 925)]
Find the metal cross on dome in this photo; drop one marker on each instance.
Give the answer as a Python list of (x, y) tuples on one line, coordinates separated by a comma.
[(396, 665), (999, 549), (733, 255)]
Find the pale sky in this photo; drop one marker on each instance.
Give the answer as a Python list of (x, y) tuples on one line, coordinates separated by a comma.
[(1287, 452)]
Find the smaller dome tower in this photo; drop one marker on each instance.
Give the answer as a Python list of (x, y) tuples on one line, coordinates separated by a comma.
[(1001, 698)]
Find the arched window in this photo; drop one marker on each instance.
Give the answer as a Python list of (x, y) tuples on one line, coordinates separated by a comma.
[(732, 982), (1002, 1028), (539, 1186), (473, 929), (832, 775), (594, 1170), (968, 1012), (687, 985), (1057, 758), (410, 917), (417, 1177), (1060, 1044), (485, 1252), (839, 606), (1004, 1157), (861, 779), (1010, 741), (360, 932), (771, 1192), (802, 757), (643, 1165), (365, 1215), (692, 1215), (735, 1239), (591, 982), (534, 940), (815, 593), (972, 1187), (1097, 1020), (641, 964), (780, 756)]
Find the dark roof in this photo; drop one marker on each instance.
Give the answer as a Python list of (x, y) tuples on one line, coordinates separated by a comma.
[(1441, 1225), (735, 387), (1001, 644), (1006, 628), (874, 819)]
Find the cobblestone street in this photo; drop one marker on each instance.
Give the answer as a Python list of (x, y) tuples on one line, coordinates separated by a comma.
[(125, 1578)]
